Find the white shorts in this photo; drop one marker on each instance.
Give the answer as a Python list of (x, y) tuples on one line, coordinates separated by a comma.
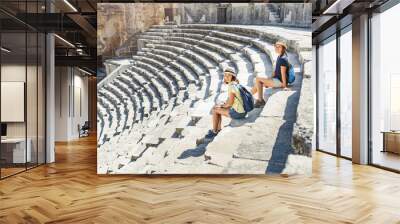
[(277, 82)]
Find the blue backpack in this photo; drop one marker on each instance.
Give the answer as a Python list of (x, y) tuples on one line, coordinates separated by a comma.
[(291, 74), (247, 97)]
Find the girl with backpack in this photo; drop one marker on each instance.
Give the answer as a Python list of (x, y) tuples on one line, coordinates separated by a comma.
[(233, 107), (280, 76)]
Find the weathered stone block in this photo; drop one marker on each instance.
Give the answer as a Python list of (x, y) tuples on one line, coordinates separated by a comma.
[(304, 126)]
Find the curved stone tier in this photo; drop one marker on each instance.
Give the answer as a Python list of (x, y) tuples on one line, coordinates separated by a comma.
[(152, 116)]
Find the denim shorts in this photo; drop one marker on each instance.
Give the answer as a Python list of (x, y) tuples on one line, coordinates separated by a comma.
[(277, 82), (236, 115)]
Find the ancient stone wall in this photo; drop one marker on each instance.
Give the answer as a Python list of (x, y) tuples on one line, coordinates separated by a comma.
[(197, 13), (119, 24), (304, 126), (297, 14), (247, 14), (289, 14)]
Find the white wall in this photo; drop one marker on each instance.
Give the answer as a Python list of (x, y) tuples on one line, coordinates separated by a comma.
[(12, 73), (61, 103), (34, 125), (17, 73), (314, 92), (79, 117), (71, 102)]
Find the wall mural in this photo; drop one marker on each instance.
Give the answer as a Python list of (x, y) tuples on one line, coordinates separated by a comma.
[(205, 88)]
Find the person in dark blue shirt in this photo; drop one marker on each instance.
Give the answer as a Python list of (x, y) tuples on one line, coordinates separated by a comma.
[(279, 75)]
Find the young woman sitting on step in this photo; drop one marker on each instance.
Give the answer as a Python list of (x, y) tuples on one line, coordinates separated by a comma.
[(233, 107), (279, 76)]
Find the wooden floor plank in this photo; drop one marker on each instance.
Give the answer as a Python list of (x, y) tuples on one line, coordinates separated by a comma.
[(70, 191)]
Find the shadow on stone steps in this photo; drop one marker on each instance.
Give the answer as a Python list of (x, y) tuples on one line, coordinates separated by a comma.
[(195, 152), (283, 147)]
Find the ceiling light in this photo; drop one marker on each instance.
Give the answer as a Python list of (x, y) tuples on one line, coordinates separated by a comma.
[(64, 40), (337, 7), (332, 7), (5, 50), (86, 72), (70, 5)]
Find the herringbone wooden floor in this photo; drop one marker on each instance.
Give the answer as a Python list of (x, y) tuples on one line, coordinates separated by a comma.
[(69, 191)]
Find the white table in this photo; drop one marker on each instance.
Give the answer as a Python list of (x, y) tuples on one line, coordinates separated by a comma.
[(18, 151)]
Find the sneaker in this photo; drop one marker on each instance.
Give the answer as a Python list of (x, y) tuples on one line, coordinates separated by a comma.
[(259, 103), (211, 134)]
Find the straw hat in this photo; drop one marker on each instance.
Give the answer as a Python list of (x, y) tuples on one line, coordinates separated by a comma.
[(231, 71), (282, 43)]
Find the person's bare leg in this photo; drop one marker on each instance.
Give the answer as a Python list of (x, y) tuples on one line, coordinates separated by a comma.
[(260, 90), (254, 89), (219, 122), (224, 112), (216, 118), (260, 83), (221, 112), (268, 83), (257, 84)]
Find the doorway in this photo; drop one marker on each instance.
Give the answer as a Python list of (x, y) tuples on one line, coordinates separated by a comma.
[(169, 14), (221, 15)]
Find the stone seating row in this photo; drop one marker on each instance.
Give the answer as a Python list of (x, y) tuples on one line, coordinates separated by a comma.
[(226, 39), (163, 111), (116, 98), (261, 63), (182, 61), (141, 78), (146, 76), (228, 34), (164, 57)]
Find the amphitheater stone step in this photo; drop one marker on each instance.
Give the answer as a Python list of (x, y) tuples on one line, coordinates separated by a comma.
[(177, 75), (259, 131), (245, 166), (274, 106)]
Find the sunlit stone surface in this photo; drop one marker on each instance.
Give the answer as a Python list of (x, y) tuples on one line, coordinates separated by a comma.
[(154, 109)]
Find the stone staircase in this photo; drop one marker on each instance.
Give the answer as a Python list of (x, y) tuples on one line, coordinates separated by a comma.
[(152, 116), (274, 17)]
